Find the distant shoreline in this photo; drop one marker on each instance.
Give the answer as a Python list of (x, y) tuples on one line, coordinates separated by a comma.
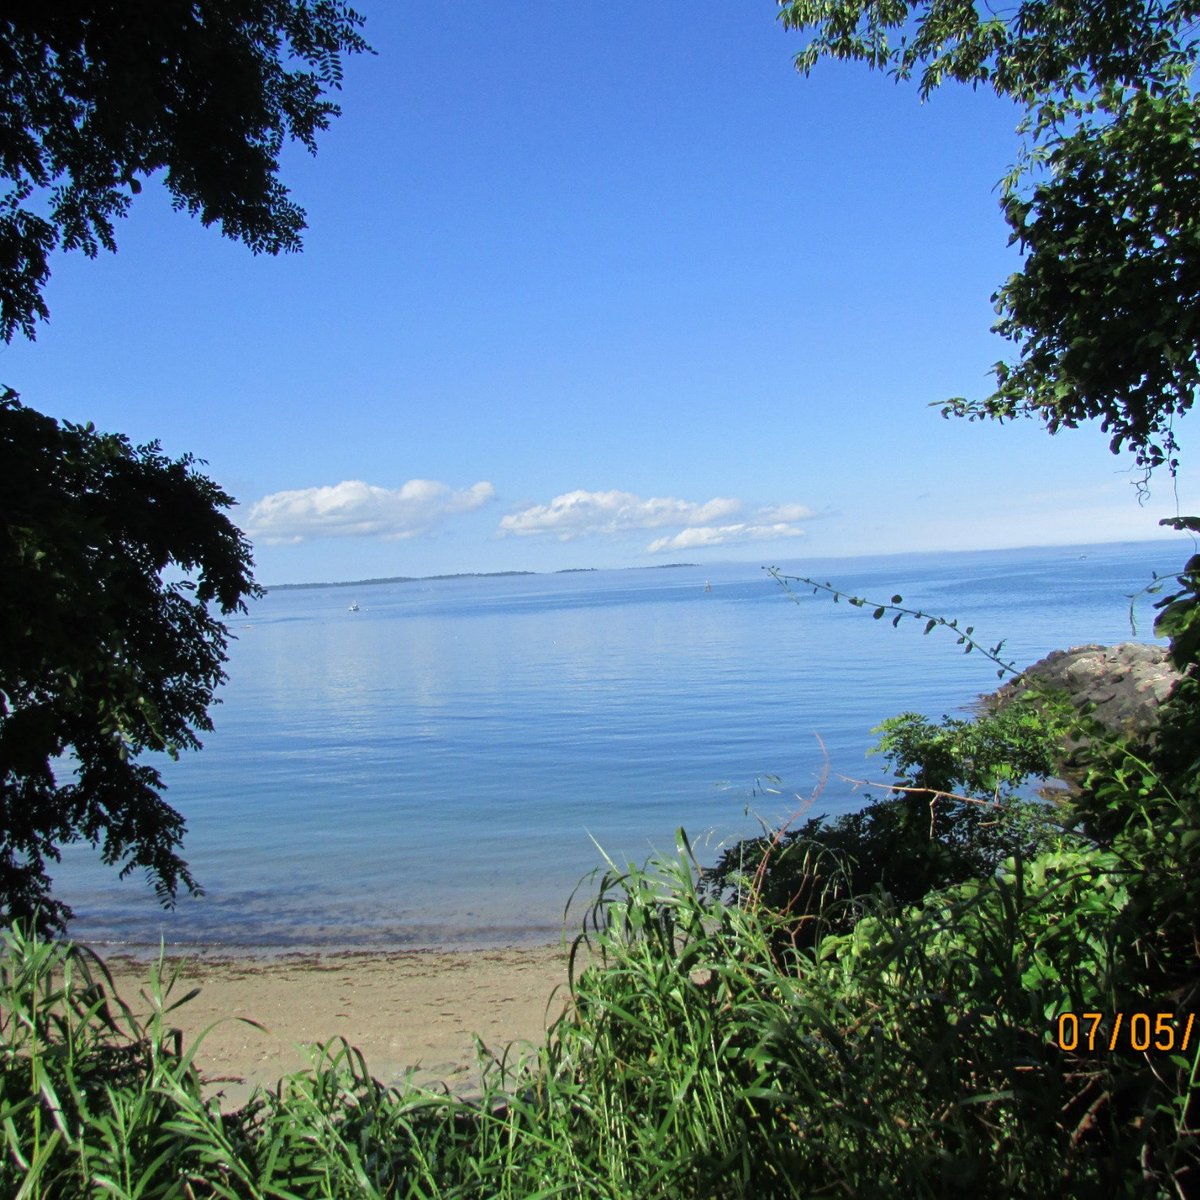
[(356, 583), (285, 587), (824, 562)]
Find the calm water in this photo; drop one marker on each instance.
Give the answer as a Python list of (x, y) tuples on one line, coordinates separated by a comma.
[(439, 767)]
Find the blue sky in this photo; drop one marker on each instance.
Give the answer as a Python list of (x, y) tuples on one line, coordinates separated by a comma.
[(593, 285)]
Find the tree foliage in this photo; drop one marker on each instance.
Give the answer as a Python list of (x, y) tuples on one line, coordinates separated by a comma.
[(102, 658), (1104, 318), (98, 95), (1104, 200)]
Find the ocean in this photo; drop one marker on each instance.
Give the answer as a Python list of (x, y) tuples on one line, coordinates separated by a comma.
[(443, 766)]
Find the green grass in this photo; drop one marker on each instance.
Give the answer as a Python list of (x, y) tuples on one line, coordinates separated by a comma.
[(908, 1057)]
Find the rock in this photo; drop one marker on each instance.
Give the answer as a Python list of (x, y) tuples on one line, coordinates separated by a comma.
[(1120, 686)]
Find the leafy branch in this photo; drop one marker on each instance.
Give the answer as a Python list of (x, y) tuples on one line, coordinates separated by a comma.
[(964, 635)]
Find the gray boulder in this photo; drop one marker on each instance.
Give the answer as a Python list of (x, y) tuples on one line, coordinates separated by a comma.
[(1120, 686)]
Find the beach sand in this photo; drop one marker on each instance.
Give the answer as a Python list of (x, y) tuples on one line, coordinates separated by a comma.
[(411, 1013)]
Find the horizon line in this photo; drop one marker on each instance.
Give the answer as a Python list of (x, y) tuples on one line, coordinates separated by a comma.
[(377, 580)]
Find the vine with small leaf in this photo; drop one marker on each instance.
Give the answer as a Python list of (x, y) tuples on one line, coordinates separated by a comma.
[(964, 635)]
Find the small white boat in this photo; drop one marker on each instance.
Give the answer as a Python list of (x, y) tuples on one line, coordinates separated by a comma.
[(354, 606)]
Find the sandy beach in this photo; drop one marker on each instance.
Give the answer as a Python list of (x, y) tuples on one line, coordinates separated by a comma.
[(411, 1013)]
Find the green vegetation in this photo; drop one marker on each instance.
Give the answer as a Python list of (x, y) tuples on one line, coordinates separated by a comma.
[(101, 658), (1102, 201), (954, 815), (706, 1052), (99, 97)]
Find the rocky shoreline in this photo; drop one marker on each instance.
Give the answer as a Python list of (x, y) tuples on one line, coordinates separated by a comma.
[(1120, 687)]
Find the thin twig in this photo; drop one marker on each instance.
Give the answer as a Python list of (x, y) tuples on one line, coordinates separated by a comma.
[(760, 874), (935, 793)]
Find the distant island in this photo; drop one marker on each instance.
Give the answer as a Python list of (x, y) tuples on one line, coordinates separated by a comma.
[(357, 583), (284, 587)]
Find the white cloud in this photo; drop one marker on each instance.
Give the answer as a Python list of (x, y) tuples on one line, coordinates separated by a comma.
[(723, 535), (580, 514), (356, 509), (784, 512)]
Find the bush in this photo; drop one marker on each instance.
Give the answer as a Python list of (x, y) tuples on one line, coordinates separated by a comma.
[(934, 831)]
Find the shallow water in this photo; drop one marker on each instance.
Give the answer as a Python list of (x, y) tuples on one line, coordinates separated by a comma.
[(440, 767)]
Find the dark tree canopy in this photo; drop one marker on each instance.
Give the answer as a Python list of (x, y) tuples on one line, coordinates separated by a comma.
[(101, 658), (98, 95), (1104, 201)]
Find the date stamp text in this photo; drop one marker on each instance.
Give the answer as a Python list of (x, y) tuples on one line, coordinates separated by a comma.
[(1136, 1030)]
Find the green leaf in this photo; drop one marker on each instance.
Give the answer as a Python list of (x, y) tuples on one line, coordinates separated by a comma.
[(1191, 524)]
